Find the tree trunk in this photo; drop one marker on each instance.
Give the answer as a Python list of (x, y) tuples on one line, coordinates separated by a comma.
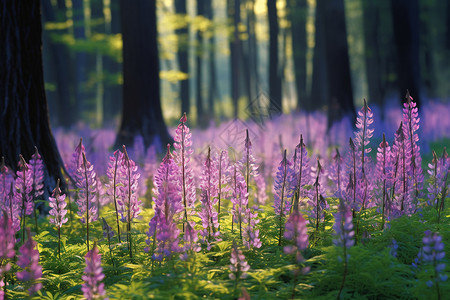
[(201, 116), (297, 17), (211, 42), (24, 121), (340, 100), (235, 74), (61, 64), (405, 16), (372, 52), (319, 86), (183, 56), (141, 113), (80, 56), (274, 68)]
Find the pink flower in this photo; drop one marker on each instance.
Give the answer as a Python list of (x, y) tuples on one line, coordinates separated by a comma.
[(29, 262), (93, 274)]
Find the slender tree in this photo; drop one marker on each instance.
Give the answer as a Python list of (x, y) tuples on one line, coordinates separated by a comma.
[(183, 55), (405, 16), (142, 114), (297, 17), (274, 68), (24, 121)]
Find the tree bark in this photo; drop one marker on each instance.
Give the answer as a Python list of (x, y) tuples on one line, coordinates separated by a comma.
[(141, 113), (201, 116), (233, 7), (297, 17), (372, 52), (61, 64), (183, 56), (340, 100), (274, 68), (24, 121), (405, 16)]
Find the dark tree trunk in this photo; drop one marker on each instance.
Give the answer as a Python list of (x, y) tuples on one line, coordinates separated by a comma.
[(235, 74), (24, 121), (372, 52), (340, 100), (405, 16), (297, 17), (201, 116), (80, 56), (113, 90), (141, 113), (274, 68), (65, 110), (211, 42), (252, 57), (319, 86), (183, 56)]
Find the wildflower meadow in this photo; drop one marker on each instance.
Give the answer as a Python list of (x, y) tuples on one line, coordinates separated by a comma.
[(278, 208)]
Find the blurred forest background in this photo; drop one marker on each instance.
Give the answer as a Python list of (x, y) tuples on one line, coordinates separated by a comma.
[(217, 57)]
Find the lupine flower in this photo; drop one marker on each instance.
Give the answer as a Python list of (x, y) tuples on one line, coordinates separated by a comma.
[(37, 174), (93, 274), (432, 253), (383, 175), (163, 233), (77, 158), (251, 234), (438, 188), (182, 155), (209, 186), (239, 198), (5, 180), (57, 204), (239, 265), (401, 188), (260, 195), (28, 260), (343, 228), (284, 187), (24, 187), (7, 241), (112, 187), (128, 203), (85, 180), (344, 233), (411, 125), (222, 164), (317, 203), (301, 169), (247, 164), (296, 232), (363, 135), (336, 174)]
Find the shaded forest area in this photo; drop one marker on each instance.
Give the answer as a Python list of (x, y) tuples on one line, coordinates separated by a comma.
[(216, 57)]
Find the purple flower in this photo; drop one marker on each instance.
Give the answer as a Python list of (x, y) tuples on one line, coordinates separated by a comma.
[(86, 181), (384, 178), (191, 244), (209, 187), (57, 204), (37, 174), (343, 227), (24, 186), (128, 203), (247, 164), (182, 156), (28, 260), (112, 186), (163, 234), (336, 174), (284, 187), (239, 265), (77, 158), (93, 274), (439, 171), (432, 253), (302, 170), (296, 231), (411, 125)]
